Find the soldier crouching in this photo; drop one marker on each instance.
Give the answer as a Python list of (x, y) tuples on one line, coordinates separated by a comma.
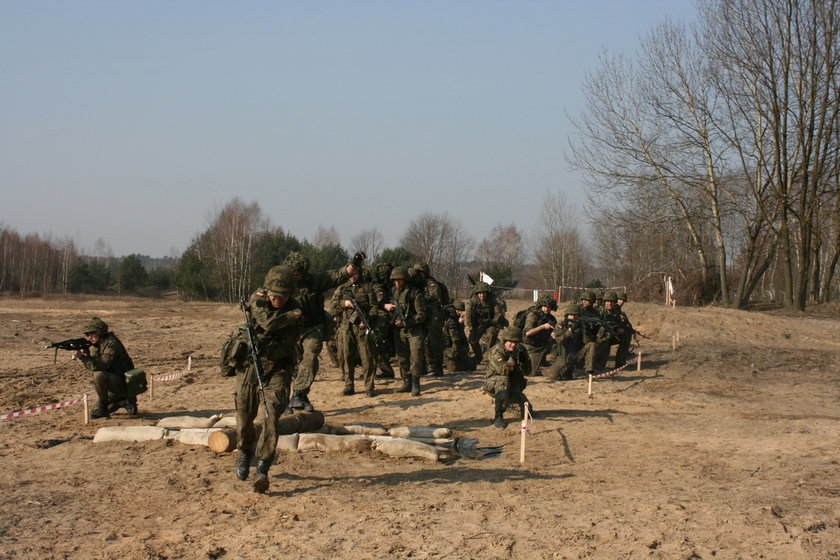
[(507, 364)]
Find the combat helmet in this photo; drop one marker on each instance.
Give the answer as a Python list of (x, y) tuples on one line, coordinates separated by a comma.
[(399, 273), (622, 295), (610, 296), (479, 287), (548, 301), (297, 261), (383, 272), (422, 267), (280, 281), (588, 296), (513, 334), (96, 325), (459, 305), (573, 309)]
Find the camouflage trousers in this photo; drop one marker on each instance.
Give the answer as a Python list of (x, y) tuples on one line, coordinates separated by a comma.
[(410, 351), (110, 387), (570, 357), (247, 400), (353, 340), (310, 346)]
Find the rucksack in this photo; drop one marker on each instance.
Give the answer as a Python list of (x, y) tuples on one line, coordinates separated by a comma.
[(519, 318), (234, 352)]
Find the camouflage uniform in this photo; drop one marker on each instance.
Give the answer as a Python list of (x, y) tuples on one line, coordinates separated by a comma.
[(411, 335), (383, 325), (621, 335), (310, 297), (484, 319), (108, 360), (574, 349), (505, 376), (277, 331), (539, 343), (437, 296), (456, 351), (353, 337)]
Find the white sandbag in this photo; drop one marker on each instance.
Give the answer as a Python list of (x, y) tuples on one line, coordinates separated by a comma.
[(366, 428), (420, 432), (400, 447), (226, 422), (327, 442), (129, 433), (181, 422), (194, 436), (288, 442)]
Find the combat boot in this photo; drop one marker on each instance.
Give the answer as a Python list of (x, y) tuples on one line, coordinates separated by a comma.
[(406, 386), (304, 398), (261, 477), (131, 406), (349, 389), (415, 387), (243, 465), (296, 401), (100, 412), (499, 420)]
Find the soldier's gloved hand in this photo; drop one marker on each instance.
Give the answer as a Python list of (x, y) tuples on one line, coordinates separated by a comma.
[(358, 259)]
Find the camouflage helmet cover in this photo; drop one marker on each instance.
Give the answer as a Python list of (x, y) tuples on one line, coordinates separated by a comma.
[(573, 309), (459, 305), (399, 273), (513, 334), (588, 296), (280, 281), (95, 325), (547, 300), (610, 296), (479, 287), (297, 261), (422, 267), (622, 295)]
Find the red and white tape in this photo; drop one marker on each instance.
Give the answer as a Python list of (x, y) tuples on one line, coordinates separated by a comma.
[(612, 372), (41, 409), (178, 375)]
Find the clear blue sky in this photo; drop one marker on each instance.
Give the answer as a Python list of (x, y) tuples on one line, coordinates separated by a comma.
[(131, 121)]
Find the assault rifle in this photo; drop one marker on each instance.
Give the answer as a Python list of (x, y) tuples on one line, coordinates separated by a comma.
[(398, 310), (253, 345), (347, 292), (69, 344)]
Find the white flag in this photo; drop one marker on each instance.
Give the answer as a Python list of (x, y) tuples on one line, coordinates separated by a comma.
[(485, 278)]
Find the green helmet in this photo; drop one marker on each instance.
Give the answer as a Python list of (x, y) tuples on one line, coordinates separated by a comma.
[(280, 281), (588, 296), (513, 334), (459, 305), (422, 267), (573, 309), (547, 300), (383, 272), (622, 295), (399, 273), (96, 325), (479, 287), (610, 296), (298, 262)]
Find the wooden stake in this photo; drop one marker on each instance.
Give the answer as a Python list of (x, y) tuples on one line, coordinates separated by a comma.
[(524, 432), (87, 410), (151, 387), (639, 361), (590, 385), (673, 342)]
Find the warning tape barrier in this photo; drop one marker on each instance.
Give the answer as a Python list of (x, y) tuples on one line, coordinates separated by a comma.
[(178, 375), (612, 372), (42, 408)]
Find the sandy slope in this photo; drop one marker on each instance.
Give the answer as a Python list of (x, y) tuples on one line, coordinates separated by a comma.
[(725, 447)]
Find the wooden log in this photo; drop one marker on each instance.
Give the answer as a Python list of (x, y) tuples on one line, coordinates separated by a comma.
[(222, 440), (194, 436)]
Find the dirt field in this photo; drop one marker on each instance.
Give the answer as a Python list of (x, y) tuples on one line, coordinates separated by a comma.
[(725, 447)]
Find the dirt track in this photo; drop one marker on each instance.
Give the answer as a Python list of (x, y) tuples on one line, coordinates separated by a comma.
[(726, 447)]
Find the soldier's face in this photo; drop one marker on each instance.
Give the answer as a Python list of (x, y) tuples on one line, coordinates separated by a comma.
[(398, 283), (278, 301), (609, 304), (93, 337), (482, 296), (510, 345)]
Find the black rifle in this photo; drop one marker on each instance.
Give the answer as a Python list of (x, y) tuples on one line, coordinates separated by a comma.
[(69, 344), (348, 293), (398, 311), (253, 344)]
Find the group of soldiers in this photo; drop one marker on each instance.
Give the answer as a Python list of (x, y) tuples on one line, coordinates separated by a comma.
[(373, 317)]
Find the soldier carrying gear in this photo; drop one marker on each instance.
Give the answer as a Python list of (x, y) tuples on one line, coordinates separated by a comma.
[(107, 358), (538, 329), (507, 364), (485, 316), (408, 304), (437, 296)]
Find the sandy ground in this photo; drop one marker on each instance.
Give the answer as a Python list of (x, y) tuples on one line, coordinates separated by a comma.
[(726, 446)]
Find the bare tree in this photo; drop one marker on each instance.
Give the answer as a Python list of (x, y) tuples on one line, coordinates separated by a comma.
[(559, 255), (503, 251), (325, 237), (442, 243), (370, 241)]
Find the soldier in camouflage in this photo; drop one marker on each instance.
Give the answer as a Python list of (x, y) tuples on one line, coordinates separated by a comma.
[(108, 360), (507, 364), (408, 306), (310, 295), (456, 346), (485, 316), (277, 320), (539, 327), (437, 296)]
